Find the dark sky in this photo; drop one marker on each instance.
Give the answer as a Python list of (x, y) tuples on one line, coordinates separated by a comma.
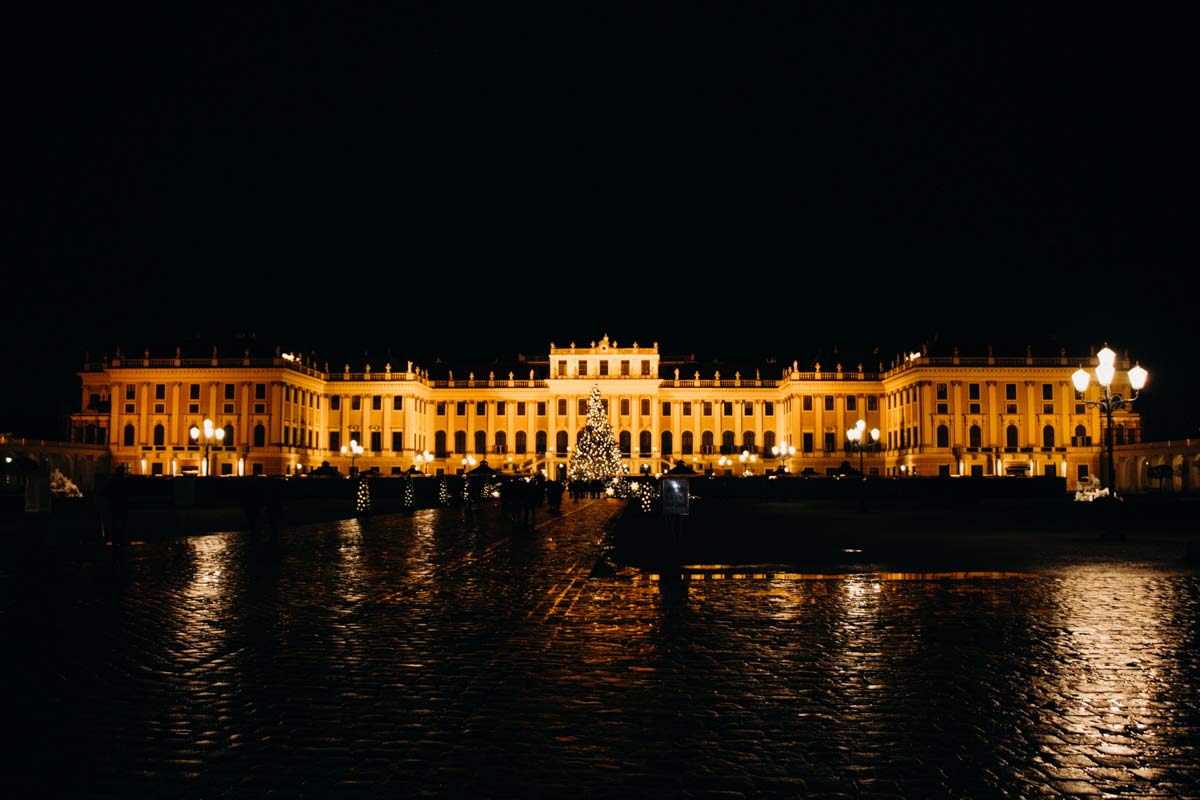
[(443, 181)]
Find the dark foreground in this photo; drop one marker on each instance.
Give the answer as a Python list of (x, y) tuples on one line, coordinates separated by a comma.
[(443, 653)]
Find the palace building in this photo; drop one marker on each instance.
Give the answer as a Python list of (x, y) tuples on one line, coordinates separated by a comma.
[(282, 414)]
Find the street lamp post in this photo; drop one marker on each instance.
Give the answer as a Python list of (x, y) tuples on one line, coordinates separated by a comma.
[(210, 433), (858, 440), (354, 450), (424, 459), (1108, 403), (783, 451)]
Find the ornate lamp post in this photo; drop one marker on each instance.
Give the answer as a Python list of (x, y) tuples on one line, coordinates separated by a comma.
[(858, 440), (210, 433), (1105, 371), (354, 450), (783, 451)]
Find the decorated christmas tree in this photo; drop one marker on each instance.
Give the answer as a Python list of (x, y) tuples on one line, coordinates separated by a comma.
[(596, 455)]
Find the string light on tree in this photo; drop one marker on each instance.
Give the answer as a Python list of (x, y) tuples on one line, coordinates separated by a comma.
[(596, 455), (362, 495)]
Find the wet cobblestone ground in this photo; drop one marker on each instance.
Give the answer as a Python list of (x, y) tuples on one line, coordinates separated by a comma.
[(442, 654)]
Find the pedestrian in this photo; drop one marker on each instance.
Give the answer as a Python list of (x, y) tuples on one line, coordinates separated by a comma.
[(532, 498), (554, 493), (511, 501)]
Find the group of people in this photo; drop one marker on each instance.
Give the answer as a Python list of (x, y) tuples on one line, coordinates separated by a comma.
[(593, 489), (520, 498)]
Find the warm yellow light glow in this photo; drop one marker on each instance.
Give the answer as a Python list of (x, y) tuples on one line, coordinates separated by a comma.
[(1107, 357), (1080, 378), (1137, 377)]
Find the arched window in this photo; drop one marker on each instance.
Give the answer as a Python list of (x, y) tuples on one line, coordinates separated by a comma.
[(228, 441), (768, 441), (727, 441), (686, 444), (624, 440), (522, 438), (645, 443), (706, 441), (974, 436), (129, 436), (439, 442), (539, 442), (748, 440), (943, 436), (560, 442), (160, 435), (1011, 435), (1048, 436), (501, 442), (1080, 431), (260, 435), (480, 441), (666, 446), (460, 441)]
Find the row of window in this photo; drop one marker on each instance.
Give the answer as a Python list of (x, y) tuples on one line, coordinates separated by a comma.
[(902, 438), (313, 400), (624, 367)]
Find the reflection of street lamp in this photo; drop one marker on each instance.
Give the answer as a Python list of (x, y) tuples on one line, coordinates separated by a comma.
[(857, 436), (1105, 371), (354, 450), (783, 451), (209, 433)]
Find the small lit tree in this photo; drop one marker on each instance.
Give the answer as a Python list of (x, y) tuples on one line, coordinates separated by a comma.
[(362, 495), (596, 455)]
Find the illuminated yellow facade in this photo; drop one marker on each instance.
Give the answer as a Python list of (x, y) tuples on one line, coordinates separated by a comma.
[(951, 415)]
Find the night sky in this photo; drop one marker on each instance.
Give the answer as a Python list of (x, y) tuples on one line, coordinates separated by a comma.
[(440, 181)]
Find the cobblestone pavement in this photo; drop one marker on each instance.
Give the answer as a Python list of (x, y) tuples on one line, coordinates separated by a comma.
[(442, 654)]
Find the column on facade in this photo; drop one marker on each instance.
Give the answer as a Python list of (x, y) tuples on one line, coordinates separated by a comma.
[(960, 418), (116, 399), (923, 402), (386, 425), (819, 420), (551, 425), (1063, 401), (242, 434), (145, 401), (275, 401), (635, 430), (177, 434), (1034, 407), (993, 418)]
